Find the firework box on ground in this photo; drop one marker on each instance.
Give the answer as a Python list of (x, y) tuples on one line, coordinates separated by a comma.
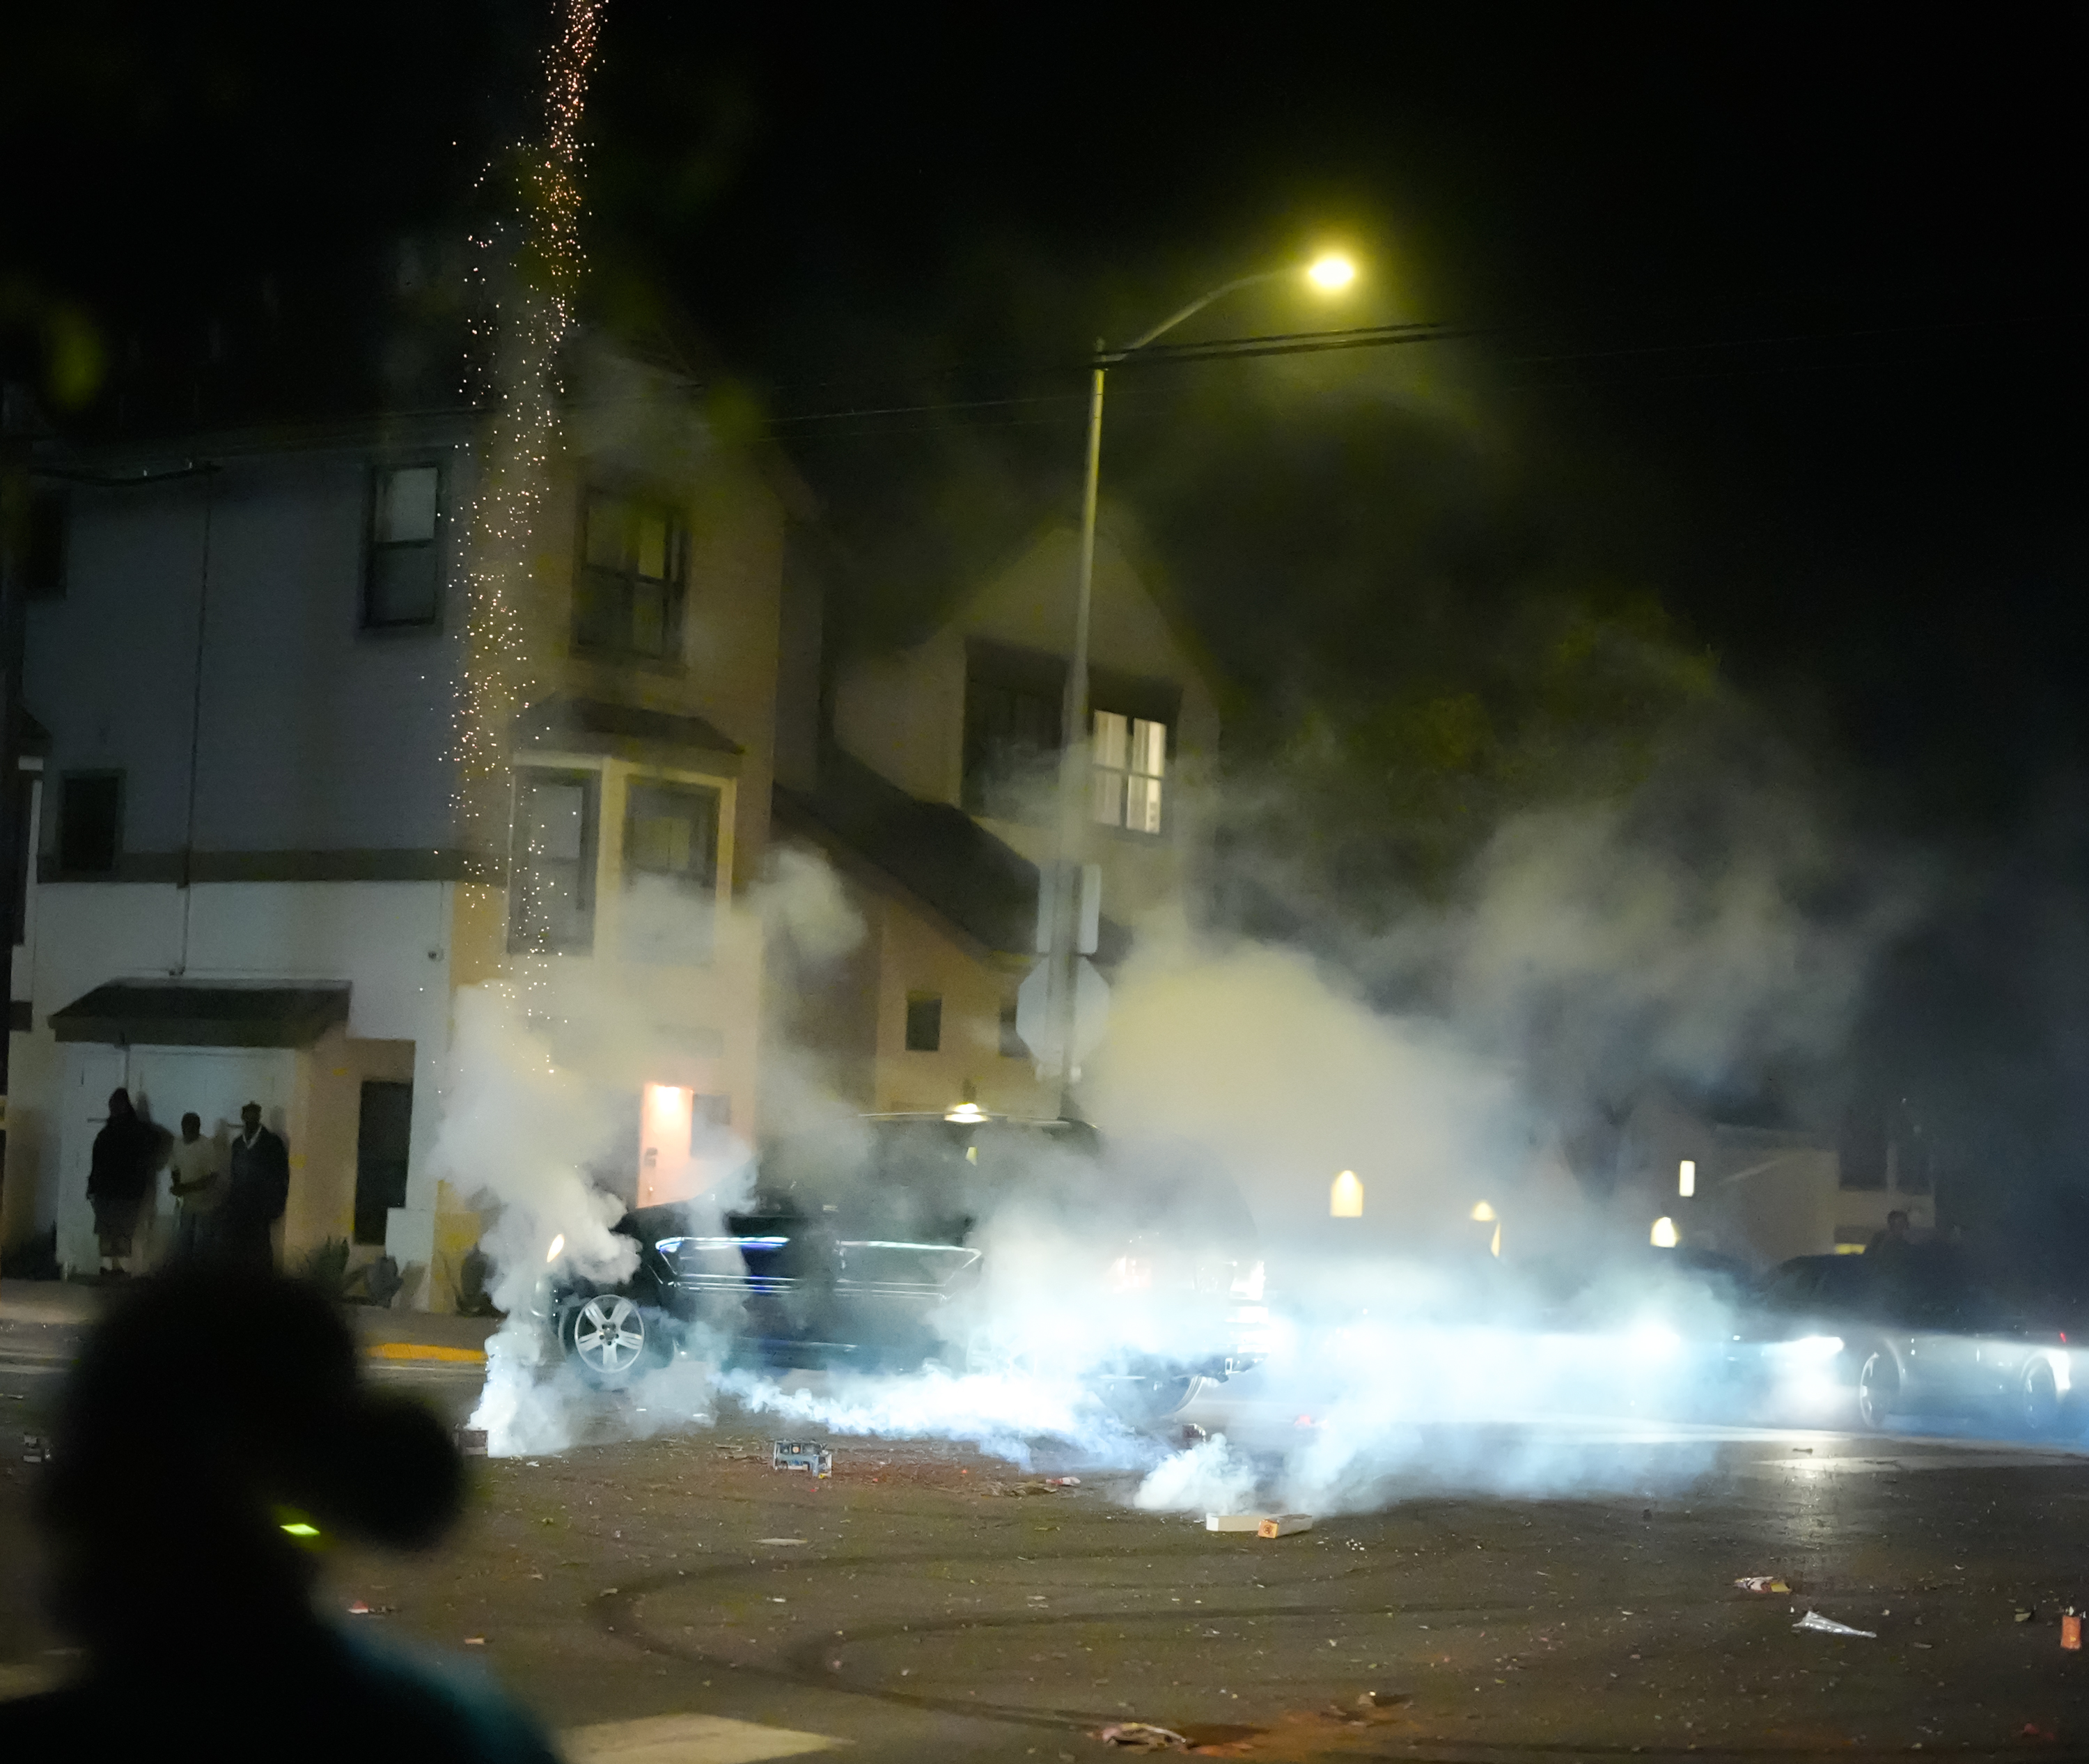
[(808, 1455), (1263, 1524), (471, 1441)]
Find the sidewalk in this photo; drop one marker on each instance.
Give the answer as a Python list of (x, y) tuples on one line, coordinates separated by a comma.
[(61, 1309)]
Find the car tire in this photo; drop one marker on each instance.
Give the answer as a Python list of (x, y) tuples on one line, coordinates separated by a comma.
[(2038, 1396), (1877, 1390), (611, 1340)]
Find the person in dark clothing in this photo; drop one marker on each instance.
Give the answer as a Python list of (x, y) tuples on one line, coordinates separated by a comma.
[(119, 1178), (1893, 1241), (276, 1448), (259, 1186)]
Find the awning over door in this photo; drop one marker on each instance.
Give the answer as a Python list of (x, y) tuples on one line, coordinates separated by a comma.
[(172, 1013)]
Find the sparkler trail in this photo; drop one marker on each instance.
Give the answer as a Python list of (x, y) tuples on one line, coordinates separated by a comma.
[(526, 277)]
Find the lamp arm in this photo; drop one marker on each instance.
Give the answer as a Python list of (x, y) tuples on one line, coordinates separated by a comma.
[(1190, 310)]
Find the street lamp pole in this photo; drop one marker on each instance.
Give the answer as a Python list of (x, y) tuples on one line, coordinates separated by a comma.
[(1075, 811)]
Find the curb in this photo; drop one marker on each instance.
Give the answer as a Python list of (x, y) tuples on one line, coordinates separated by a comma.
[(423, 1350)]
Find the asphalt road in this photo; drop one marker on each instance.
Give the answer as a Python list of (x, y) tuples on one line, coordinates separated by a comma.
[(930, 1602)]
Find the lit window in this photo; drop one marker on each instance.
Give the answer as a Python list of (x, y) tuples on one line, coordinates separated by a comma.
[(1130, 756), (1686, 1178), (550, 890), (628, 599), (670, 866), (401, 586)]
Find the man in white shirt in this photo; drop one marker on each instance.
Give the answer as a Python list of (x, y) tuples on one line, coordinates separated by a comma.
[(199, 1182)]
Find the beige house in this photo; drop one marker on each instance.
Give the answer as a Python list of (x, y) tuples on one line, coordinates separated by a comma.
[(266, 871), (932, 794)]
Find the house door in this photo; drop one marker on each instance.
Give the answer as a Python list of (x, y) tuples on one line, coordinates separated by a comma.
[(91, 1072)]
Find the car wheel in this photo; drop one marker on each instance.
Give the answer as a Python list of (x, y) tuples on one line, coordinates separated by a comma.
[(1145, 1402), (2038, 1396), (610, 1339), (1878, 1388)]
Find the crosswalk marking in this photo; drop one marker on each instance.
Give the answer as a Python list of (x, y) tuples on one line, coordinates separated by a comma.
[(687, 1739)]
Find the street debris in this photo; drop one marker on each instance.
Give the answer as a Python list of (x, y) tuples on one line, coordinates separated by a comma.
[(1370, 1708), (1142, 1736), (2024, 1614), (779, 1540), (34, 1450), (471, 1441), (2070, 1630), (802, 1455), (1821, 1625), (1761, 1583), (474, 1640), (357, 1608), (1263, 1524), (1062, 1481)]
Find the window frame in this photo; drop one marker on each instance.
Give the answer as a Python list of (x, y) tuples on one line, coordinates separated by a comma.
[(84, 774), (674, 614), (932, 1000), (590, 862), (372, 547), (703, 885)]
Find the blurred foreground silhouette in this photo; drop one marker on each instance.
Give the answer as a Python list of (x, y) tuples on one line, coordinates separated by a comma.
[(214, 1435)]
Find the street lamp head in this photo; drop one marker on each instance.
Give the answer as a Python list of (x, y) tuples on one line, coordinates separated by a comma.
[(1331, 272)]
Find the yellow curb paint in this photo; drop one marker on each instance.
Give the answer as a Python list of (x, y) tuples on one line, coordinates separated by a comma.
[(418, 1350)]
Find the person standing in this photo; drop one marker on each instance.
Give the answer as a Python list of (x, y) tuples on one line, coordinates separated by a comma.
[(119, 1180), (259, 1187), (200, 1184)]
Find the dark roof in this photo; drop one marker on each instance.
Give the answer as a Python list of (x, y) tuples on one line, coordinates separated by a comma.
[(628, 731), (936, 853), (172, 1013)]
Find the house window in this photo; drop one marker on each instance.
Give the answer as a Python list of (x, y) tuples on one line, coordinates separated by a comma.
[(403, 585), (551, 887), (628, 601), (670, 835), (1013, 1046), (1130, 756), (90, 823), (925, 1022), (44, 551), (384, 1123)]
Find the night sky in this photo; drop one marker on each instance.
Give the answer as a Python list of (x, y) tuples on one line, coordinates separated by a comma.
[(1785, 335)]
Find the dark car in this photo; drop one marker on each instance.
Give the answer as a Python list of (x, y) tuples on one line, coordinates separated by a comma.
[(873, 1261), (1908, 1332)]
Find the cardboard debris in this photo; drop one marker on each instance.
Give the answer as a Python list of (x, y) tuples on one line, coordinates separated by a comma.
[(1761, 1583), (1821, 1625), (2070, 1630), (801, 1455), (471, 1441), (1142, 1736)]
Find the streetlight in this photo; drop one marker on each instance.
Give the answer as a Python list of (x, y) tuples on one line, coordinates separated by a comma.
[(1330, 273)]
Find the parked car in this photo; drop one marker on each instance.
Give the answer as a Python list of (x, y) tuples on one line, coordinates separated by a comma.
[(1149, 1282), (1910, 1334)]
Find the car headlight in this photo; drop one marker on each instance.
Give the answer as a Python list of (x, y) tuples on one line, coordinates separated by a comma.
[(670, 1247), (1812, 1347)]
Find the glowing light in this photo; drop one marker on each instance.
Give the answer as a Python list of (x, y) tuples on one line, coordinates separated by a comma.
[(967, 1112), (1494, 1249), (1482, 1212), (1130, 1274), (1655, 1341), (296, 1528), (558, 1248), (1345, 1198), (1811, 1347), (1331, 272), (1686, 1177), (1249, 1284), (1664, 1236)]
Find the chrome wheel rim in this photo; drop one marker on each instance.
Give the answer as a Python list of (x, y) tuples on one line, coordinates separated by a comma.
[(609, 1334), (2041, 1395), (1877, 1387)]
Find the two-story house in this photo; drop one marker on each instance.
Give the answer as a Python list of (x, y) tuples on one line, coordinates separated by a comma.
[(933, 792), (261, 872)]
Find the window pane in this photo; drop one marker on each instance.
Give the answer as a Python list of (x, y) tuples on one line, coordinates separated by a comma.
[(1108, 802), (924, 1023), (607, 523), (89, 813), (652, 546), (1149, 747), (552, 865), (403, 585), (406, 505), (1141, 806), (671, 831), (648, 635), (1109, 742), (556, 822), (598, 610)]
